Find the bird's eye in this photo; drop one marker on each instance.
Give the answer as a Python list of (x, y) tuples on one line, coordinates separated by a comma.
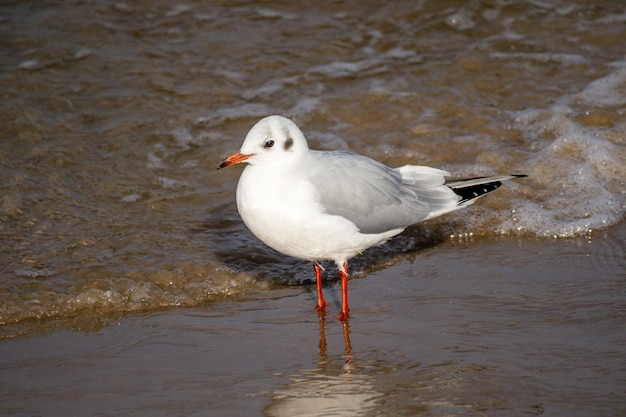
[(269, 143)]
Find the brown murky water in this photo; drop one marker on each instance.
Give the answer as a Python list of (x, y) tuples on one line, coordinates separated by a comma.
[(486, 327), (115, 115)]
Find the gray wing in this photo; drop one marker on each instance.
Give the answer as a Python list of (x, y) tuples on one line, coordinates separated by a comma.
[(373, 196)]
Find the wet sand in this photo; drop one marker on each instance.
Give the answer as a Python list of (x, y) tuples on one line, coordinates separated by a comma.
[(482, 327)]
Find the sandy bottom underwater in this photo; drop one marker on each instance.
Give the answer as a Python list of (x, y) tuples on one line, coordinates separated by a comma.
[(488, 327)]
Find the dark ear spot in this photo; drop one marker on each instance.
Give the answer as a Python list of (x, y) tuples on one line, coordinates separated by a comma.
[(288, 144)]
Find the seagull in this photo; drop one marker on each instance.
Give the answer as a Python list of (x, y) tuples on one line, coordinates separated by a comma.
[(333, 205)]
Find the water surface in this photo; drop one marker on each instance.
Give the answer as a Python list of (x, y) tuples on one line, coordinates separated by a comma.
[(114, 116)]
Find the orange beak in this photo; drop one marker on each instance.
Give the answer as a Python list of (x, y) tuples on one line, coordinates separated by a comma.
[(235, 158)]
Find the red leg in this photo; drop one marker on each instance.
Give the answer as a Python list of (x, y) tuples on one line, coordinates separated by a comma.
[(321, 303), (345, 310)]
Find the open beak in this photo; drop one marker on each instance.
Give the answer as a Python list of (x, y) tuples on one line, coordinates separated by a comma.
[(235, 158)]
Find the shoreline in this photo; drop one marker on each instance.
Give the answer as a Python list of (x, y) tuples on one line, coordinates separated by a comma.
[(478, 328)]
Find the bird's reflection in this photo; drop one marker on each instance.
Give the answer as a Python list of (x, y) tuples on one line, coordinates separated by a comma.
[(334, 387), (346, 336)]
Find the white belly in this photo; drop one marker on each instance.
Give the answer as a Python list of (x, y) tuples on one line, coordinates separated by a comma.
[(286, 216)]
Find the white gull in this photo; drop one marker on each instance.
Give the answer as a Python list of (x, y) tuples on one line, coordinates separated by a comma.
[(332, 205)]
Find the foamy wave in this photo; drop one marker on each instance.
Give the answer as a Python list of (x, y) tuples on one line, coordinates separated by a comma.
[(193, 285), (606, 91), (578, 171)]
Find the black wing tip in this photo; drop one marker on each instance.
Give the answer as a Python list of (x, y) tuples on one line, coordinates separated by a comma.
[(472, 192)]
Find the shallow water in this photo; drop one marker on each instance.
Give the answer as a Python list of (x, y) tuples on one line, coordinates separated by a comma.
[(115, 115), (540, 330)]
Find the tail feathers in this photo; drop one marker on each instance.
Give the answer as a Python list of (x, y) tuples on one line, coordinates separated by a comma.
[(469, 189)]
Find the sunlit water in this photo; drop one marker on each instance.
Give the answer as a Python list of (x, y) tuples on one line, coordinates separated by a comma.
[(486, 327), (114, 116)]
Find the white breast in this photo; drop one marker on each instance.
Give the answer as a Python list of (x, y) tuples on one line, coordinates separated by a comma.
[(283, 211)]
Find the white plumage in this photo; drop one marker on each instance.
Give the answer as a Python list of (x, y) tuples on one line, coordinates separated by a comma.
[(332, 205)]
